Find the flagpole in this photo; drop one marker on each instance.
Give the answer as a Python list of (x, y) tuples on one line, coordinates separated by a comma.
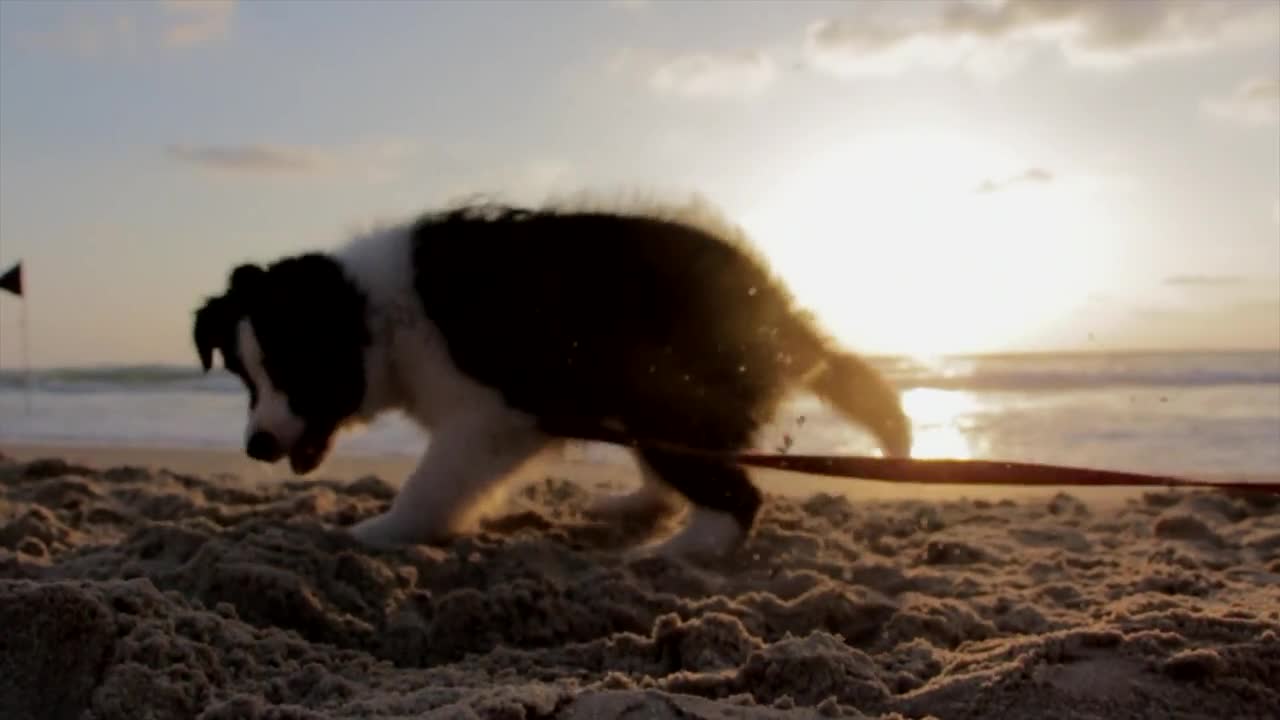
[(26, 358)]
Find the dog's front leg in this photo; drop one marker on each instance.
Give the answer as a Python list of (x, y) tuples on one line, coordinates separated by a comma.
[(465, 461)]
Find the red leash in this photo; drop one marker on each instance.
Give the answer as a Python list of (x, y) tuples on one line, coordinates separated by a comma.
[(938, 471), (980, 472)]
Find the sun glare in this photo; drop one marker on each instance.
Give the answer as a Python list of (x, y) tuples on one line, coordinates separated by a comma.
[(896, 243), (943, 423)]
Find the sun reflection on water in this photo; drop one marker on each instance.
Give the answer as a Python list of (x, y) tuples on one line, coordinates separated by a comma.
[(942, 421)]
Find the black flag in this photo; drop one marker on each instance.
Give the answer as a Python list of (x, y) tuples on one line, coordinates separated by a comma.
[(12, 280)]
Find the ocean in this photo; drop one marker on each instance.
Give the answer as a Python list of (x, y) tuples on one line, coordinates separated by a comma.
[(1203, 414)]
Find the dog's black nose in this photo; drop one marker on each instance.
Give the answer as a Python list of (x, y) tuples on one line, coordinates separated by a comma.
[(263, 446)]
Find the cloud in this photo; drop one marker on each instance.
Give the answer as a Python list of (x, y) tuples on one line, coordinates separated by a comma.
[(716, 75), (90, 30), (196, 22), (884, 45), (993, 36), (250, 158), (1031, 176), (1205, 281), (1253, 102), (375, 161)]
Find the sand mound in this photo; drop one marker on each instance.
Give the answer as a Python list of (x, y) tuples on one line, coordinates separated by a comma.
[(127, 593)]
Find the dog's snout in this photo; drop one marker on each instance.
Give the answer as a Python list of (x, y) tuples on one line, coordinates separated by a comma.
[(263, 446)]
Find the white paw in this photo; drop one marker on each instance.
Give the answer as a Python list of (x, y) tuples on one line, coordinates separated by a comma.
[(708, 534)]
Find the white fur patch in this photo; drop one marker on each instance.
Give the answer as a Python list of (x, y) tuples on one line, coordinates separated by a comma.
[(467, 460), (271, 413)]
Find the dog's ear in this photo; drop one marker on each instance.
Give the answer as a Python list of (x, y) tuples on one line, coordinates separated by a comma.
[(245, 280), (212, 324), (215, 321)]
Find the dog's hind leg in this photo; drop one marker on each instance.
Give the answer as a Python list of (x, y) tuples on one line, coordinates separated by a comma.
[(716, 412), (724, 504), (465, 463)]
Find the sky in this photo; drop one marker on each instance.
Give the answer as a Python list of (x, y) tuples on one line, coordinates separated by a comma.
[(929, 178)]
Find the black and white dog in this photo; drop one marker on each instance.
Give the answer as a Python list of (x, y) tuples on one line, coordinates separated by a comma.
[(502, 330)]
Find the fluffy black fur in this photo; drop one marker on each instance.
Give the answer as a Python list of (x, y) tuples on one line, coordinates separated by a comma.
[(583, 319)]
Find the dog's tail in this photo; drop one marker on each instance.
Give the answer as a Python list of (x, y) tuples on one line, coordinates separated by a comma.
[(862, 394), (858, 391)]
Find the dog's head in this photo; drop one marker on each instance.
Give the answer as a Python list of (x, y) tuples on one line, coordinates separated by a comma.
[(295, 335)]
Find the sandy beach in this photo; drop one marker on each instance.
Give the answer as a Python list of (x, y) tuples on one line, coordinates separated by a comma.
[(172, 584)]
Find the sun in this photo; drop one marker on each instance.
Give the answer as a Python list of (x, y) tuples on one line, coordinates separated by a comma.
[(893, 243)]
